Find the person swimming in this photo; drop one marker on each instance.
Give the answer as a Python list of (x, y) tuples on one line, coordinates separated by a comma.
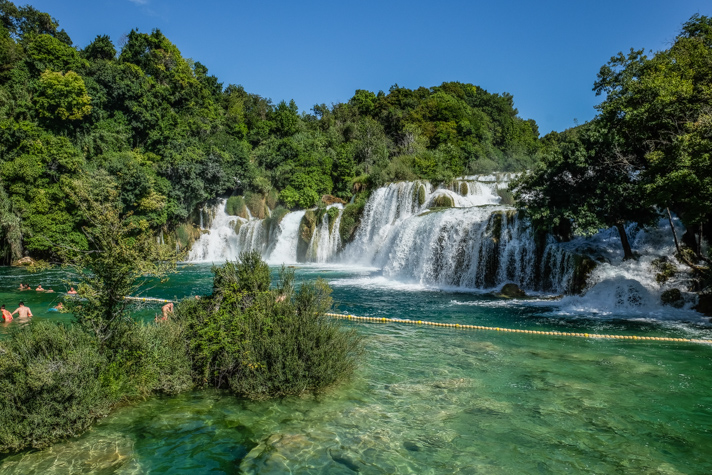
[(22, 311), (72, 291), (6, 315), (39, 288)]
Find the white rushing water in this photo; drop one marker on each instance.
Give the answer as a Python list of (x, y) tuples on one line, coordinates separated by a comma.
[(408, 235), (285, 248), (221, 242)]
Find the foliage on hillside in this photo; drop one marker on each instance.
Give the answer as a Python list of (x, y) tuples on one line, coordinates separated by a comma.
[(171, 136)]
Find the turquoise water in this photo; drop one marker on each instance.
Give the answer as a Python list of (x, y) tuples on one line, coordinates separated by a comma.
[(427, 400)]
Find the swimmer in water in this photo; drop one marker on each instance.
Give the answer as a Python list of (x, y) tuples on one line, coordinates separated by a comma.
[(23, 313), (6, 315)]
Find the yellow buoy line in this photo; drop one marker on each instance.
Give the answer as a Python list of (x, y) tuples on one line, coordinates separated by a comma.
[(514, 330)]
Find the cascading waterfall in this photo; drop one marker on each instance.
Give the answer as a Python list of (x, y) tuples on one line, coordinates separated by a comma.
[(284, 250), (456, 235), (325, 243), (472, 243), (220, 242)]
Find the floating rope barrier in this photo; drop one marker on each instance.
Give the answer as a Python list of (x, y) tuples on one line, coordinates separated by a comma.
[(514, 330), (148, 299)]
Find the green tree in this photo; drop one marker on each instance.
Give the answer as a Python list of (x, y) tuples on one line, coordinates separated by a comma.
[(62, 97), (660, 107), (122, 255), (584, 182), (100, 49)]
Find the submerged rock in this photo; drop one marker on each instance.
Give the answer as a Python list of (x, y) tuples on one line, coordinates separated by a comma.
[(512, 291), (673, 298), (411, 446)]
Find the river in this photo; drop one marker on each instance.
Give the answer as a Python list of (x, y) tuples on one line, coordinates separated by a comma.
[(425, 400)]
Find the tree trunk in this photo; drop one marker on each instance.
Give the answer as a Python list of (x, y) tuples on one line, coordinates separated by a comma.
[(627, 252)]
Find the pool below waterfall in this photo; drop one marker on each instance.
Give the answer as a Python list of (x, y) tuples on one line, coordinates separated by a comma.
[(425, 400)]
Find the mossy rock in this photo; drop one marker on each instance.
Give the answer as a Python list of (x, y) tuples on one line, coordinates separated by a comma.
[(512, 291), (237, 227), (665, 269), (333, 214), (26, 261), (351, 219), (421, 195), (464, 188), (307, 227), (442, 201), (271, 224), (256, 203), (272, 198), (235, 206), (673, 298), (494, 226)]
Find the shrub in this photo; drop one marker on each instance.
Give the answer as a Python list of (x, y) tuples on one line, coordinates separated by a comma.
[(262, 343), (51, 385)]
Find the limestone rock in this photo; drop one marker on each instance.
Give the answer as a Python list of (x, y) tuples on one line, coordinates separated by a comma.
[(329, 200), (24, 262)]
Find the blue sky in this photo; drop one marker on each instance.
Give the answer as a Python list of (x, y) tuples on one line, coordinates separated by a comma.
[(545, 53)]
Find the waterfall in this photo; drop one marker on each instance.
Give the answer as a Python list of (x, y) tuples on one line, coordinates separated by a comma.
[(472, 248), (284, 250), (220, 242), (326, 240), (385, 210)]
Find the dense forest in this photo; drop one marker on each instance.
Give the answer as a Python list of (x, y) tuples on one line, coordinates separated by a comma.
[(170, 137)]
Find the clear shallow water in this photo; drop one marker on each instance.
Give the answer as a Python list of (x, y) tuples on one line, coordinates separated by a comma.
[(428, 400)]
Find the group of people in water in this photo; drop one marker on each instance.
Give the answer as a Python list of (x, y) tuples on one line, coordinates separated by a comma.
[(39, 288), (24, 313)]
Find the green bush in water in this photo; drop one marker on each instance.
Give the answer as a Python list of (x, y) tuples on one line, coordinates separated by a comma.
[(55, 380), (262, 343), (50, 384)]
